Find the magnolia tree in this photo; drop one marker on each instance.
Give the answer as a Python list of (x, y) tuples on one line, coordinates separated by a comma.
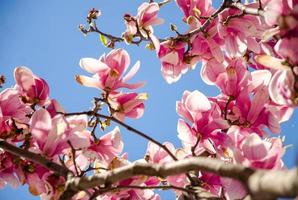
[(248, 50)]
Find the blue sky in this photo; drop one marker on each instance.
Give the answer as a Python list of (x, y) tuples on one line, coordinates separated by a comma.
[(43, 36)]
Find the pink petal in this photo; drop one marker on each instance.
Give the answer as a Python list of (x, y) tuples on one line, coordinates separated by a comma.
[(92, 65), (254, 148), (88, 82), (271, 62), (132, 72), (24, 78), (41, 125), (197, 102)]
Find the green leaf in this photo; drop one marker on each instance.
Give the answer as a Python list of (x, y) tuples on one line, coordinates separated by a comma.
[(103, 40)]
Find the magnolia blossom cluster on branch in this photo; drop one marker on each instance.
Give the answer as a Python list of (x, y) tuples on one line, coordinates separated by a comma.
[(248, 51)]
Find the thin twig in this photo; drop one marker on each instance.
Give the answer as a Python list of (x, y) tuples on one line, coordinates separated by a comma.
[(73, 152)]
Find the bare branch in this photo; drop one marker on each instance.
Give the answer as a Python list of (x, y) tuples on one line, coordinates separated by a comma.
[(261, 184), (248, 10), (36, 158)]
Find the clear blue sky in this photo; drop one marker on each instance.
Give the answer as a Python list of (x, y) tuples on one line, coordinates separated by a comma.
[(43, 36)]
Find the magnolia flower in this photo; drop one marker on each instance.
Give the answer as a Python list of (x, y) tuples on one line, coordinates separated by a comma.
[(127, 105), (258, 153), (108, 71), (52, 136), (171, 55), (145, 19), (33, 89), (106, 148), (12, 109)]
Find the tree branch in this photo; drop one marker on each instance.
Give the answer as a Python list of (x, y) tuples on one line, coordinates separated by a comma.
[(36, 158), (261, 184), (248, 10)]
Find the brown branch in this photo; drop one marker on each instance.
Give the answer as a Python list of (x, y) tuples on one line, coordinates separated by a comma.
[(36, 158), (73, 152), (101, 191), (261, 184)]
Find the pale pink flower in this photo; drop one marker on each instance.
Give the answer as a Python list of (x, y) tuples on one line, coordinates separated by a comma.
[(7, 171), (274, 9), (33, 89), (127, 105), (147, 16), (106, 148), (143, 22), (155, 154), (260, 153), (108, 71), (51, 135)]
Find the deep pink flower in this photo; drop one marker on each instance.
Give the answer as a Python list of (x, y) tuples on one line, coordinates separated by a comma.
[(281, 88), (206, 120), (12, 110), (171, 55), (33, 89), (239, 34)]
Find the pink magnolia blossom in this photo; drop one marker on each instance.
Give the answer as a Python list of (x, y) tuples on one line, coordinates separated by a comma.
[(260, 153), (239, 34), (127, 105), (282, 88), (147, 15), (108, 71), (106, 148), (33, 89), (234, 79), (283, 85), (155, 154), (52, 135), (143, 22), (7, 171), (254, 113), (274, 9), (196, 8), (286, 48), (171, 55), (12, 110)]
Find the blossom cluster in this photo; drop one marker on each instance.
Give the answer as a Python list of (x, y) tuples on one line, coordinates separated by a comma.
[(250, 58), (33, 121)]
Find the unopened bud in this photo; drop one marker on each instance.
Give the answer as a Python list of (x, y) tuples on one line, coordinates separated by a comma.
[(127, 17), (2, 80), (173, 27)]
